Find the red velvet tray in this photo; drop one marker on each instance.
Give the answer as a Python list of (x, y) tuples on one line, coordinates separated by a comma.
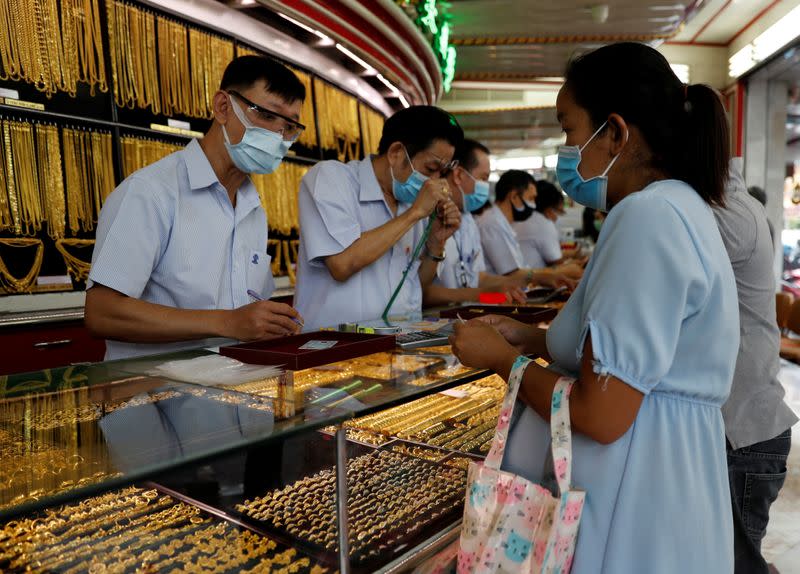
[(529, 314), (286, 350)]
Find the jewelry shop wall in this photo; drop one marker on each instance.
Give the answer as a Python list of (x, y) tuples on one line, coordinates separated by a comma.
[(91, 91)]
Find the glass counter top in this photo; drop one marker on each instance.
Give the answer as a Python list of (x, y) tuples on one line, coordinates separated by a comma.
[(71, 432)]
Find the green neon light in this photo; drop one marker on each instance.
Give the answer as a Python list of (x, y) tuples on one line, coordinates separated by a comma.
[(433, 21)]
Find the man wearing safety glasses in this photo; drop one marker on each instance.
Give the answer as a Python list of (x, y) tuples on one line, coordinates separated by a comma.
[(362, 221), (181, 245)]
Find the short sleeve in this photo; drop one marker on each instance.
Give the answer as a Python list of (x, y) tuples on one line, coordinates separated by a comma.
[(328, 211), (646, 278), (548, 242), (132, 234), (498, 251)]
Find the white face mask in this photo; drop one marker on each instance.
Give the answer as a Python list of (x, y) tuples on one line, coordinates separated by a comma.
[(260, 151)]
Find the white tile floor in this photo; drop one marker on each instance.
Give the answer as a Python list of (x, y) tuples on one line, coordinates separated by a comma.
[(782, 543)]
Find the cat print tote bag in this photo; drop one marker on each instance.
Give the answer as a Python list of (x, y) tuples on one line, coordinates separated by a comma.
[(510, 524)]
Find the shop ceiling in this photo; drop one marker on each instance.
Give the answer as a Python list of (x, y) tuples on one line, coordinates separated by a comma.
[(511, 54)]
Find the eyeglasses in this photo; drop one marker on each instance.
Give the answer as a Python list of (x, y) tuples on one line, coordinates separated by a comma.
[(445, 166), (289, 129)]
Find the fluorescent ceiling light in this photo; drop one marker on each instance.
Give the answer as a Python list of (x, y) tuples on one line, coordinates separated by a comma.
[(388, 84), (355, 58), (247, 2), (523, 163), (766, 44), (682, 71), (551, 161), (404, 101), (325, 39)]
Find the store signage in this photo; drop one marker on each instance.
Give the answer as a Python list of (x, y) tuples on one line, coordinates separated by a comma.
[(433, 22), (22, 104), (176, 131)]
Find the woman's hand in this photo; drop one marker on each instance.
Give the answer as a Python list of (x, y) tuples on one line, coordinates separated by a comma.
[(481, 346), (517, 334)]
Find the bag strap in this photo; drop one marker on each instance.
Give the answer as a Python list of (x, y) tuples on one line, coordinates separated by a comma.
[(495, 457), (560, 428), (561, 433)]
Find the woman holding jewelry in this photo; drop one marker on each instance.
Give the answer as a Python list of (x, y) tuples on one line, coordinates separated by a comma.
[(651, 334)]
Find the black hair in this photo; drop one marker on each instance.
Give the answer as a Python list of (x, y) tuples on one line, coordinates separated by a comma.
[(418, 127), (512, 180), (466, 153), (244, 71), (758, 193), (547, 196), (685, 126), (587, 220)]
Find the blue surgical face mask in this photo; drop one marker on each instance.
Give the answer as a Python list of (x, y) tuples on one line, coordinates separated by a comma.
[(590, 192), (479, 195), (407, 191), (260, 151)]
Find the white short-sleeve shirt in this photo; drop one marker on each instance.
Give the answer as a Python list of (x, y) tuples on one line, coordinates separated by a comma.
[(170, 235), (539, 240), (464, 261), (338, 202), (499, 242)]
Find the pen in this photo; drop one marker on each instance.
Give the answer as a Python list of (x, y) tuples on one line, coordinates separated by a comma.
[(258, 297)]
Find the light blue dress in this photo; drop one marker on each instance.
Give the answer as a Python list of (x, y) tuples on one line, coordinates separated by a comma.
[(659, 300)]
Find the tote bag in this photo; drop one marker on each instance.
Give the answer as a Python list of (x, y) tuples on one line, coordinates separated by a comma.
[(512, 525)]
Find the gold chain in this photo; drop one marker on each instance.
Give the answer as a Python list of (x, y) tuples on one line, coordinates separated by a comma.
[(23, 152), (371, 128), (12, 284), (139, 152), (48, 147), (337, 113)]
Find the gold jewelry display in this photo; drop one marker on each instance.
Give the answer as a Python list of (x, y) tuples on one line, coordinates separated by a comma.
[(209, 56), (52, 44), (50, 179), (134, 530), (337, 114), (132, 42), (390, 498), (11, 284), (78, 268), (278, 192), (24, 195), (309, 136), (141, 152), (173, 67), (371, 128), (89, 169)]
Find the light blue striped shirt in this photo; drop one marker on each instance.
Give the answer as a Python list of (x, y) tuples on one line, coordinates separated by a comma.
[(169, 235)]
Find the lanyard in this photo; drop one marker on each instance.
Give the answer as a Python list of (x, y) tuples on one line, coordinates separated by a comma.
[(462, 273), (414, 257)]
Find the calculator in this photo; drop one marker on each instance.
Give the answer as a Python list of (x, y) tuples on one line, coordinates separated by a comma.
[(419, 339)]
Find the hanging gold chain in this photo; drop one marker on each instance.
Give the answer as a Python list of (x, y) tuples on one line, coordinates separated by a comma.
[(78, 268), (13, 284), (48, 149)]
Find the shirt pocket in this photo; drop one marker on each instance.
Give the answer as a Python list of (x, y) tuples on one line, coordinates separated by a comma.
[(259, 274)]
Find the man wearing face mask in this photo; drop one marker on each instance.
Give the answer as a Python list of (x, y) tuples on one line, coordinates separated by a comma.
[(361, 222), (462, 276), (538, 235), (181, 244)]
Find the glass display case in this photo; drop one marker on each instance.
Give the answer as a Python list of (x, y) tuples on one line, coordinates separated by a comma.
[(353, 466)]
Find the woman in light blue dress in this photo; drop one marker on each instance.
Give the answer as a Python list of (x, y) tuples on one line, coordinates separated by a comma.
[(652, 331)]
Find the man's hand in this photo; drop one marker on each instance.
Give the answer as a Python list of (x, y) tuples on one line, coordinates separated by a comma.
[(262, 320), (448, 219), (433, 193)]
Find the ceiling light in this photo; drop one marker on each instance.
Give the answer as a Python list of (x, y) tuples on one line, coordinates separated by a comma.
[(325, 39), (356, 59), (766, 44), (404, 101), (523, 163), (682, 71), (388, 84), (247, 2)]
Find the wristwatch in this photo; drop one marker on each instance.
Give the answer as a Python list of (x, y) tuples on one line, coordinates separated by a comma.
[(437, 258)]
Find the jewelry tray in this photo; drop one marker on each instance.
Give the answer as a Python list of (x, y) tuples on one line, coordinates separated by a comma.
[(524, 314), (286, 351), (360, 564)]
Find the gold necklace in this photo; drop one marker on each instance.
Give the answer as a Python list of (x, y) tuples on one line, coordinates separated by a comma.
[(78, 268), (12, 284), (51, 180)]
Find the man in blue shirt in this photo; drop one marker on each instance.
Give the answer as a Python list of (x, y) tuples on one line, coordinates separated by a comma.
[(182, 242), (360, 222)]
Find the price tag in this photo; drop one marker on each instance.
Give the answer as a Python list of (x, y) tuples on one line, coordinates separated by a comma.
[(318, 345)]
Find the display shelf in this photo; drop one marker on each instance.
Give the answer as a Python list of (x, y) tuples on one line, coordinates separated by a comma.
[(176, 422)]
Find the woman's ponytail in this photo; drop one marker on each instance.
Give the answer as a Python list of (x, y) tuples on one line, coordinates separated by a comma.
[(705, 151)]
